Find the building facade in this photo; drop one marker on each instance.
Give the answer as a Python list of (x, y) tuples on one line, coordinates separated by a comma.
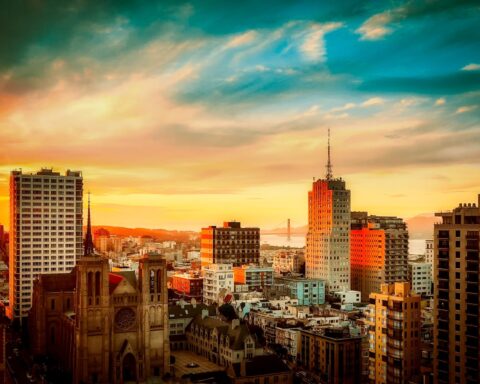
[(328, 238), (223, 342), (456, 298), (230, 244), (100, 326), (288, 261), (429, 251), (45, 230), (217, 282), (306, 291), (333, 355), (254, 276), (188, 285), (394, 336), (420, 276), (379, 252)]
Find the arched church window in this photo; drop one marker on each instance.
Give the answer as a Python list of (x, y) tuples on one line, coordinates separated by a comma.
[(97, 283), (90, 284), (159, 281), (152, 281)]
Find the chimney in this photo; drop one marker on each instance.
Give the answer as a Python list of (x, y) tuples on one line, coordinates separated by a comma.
[(235, 323), (243, 368), (204, 313)]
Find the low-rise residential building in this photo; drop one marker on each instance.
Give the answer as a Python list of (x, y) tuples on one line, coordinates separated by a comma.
[(217, 282), (265, 369), (286, 335), (306, 291), (332, 354), (288, 261), (254, 276), (179, 317), (348, 297), (420, 276), (188, 285), (222, 342)]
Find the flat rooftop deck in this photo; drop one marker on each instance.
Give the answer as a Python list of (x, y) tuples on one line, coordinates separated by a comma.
[(183, 358)]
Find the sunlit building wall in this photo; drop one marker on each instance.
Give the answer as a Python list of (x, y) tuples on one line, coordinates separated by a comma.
[(328, 237), (230, 244)]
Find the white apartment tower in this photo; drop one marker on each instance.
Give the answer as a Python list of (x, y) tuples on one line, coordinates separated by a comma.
[(45, 230), (217, 282), (328, 237)]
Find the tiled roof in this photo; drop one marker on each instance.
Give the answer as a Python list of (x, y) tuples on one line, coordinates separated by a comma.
[(58, 282)]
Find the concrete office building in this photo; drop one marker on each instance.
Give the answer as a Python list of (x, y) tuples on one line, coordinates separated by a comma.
[(394, 338), (456, 299), (328, 237), (45, 230), (230, 244)]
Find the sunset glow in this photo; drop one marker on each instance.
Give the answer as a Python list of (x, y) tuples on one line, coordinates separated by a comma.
[(187, 115)]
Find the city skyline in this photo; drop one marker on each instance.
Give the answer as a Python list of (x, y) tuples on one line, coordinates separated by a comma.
[(182, 115)]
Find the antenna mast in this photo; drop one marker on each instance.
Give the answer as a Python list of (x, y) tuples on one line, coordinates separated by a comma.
[(329, 175)]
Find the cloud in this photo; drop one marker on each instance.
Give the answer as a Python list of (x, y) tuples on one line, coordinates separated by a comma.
[(382, 24), (465, 109), (471, 67), (345, 107), (313, 46), (241, 39), (373, 102), (440, 101), (376, 27)]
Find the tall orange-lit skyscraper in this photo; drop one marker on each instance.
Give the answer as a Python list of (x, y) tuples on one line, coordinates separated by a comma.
[(378, 252), (328, 237)]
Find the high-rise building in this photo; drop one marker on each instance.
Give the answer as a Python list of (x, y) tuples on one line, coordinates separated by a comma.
[(378, 252), (230, 244), (429, 253), (456, 296), (395, 325), (45, 230), (328, 237)]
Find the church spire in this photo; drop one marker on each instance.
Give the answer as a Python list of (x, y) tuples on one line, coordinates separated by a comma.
[(88, 246), (329, 175)]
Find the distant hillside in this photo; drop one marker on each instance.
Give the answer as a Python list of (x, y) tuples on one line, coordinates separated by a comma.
[(159, 234), (421, 226)]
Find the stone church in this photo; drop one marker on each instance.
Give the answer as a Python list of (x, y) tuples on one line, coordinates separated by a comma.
[(102, 326)]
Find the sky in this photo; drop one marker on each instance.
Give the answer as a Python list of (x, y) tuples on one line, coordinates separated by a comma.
[(187, 114)]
